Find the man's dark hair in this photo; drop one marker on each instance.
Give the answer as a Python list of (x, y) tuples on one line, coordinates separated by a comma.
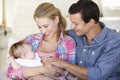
[(87, 8)]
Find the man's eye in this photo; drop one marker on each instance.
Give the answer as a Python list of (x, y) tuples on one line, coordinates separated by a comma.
[(76, 24)]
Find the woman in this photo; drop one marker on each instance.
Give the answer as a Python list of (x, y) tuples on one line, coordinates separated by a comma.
[(51, 41)]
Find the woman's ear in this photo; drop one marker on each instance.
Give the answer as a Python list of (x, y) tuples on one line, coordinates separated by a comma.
[(57, 19)]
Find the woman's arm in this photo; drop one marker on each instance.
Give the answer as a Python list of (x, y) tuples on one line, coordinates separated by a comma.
[(14, 69), (17, 74), (41, 77), (47, 70)]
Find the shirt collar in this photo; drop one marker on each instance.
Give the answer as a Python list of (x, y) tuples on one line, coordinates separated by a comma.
[(40, 38), (61, 39), (100, 37)]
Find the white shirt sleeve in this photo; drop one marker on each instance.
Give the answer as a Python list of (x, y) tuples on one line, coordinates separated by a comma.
[(30, 63)]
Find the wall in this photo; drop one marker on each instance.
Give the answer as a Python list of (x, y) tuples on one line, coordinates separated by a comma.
[(19, 14), (4, 36)]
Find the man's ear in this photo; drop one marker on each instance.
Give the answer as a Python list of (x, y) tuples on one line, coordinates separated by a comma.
[(92, 21)]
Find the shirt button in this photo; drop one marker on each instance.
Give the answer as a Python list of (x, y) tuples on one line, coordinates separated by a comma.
[(93, 53), (84, 38), (84, 50), (81, 62)]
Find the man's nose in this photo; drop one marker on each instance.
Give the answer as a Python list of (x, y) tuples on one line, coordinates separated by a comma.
[(72, 26)]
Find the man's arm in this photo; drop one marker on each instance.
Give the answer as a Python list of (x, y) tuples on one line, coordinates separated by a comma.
[(78, 71)]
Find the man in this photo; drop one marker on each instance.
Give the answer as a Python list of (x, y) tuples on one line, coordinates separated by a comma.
[(98, 55)]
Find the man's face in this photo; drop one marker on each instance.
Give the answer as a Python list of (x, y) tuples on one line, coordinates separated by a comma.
[(80, 27)]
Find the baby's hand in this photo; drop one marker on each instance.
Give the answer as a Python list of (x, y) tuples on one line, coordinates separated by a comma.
[(13, 63), (11, 59)]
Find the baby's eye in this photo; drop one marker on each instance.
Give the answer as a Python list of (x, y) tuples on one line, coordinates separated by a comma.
[(45, 26)]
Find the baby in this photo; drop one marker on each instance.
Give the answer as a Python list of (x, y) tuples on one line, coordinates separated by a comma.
[(21, 54)]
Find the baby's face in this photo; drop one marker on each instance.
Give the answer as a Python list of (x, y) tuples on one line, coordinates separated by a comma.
[(25, 52), (29, 54)]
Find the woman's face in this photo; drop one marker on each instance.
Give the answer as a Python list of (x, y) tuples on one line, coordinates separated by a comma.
[(47, 26)]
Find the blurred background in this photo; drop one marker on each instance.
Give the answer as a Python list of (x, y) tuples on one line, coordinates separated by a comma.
[(16, 21)]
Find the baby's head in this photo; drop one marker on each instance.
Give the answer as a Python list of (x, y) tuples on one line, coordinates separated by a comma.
[(21, 50)]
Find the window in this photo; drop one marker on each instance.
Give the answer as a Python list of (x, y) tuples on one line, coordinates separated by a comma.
[(111, 8)]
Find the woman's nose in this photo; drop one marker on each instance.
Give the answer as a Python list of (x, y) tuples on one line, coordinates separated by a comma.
[(43, 31)]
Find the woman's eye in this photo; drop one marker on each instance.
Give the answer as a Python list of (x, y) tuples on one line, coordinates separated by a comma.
[(39, 27)]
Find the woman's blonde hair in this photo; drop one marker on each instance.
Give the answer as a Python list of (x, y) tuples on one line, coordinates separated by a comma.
[(48, 10)]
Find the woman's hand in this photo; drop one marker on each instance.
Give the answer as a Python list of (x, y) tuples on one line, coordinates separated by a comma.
[(53, 61), (40, 77), (46, 70)]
